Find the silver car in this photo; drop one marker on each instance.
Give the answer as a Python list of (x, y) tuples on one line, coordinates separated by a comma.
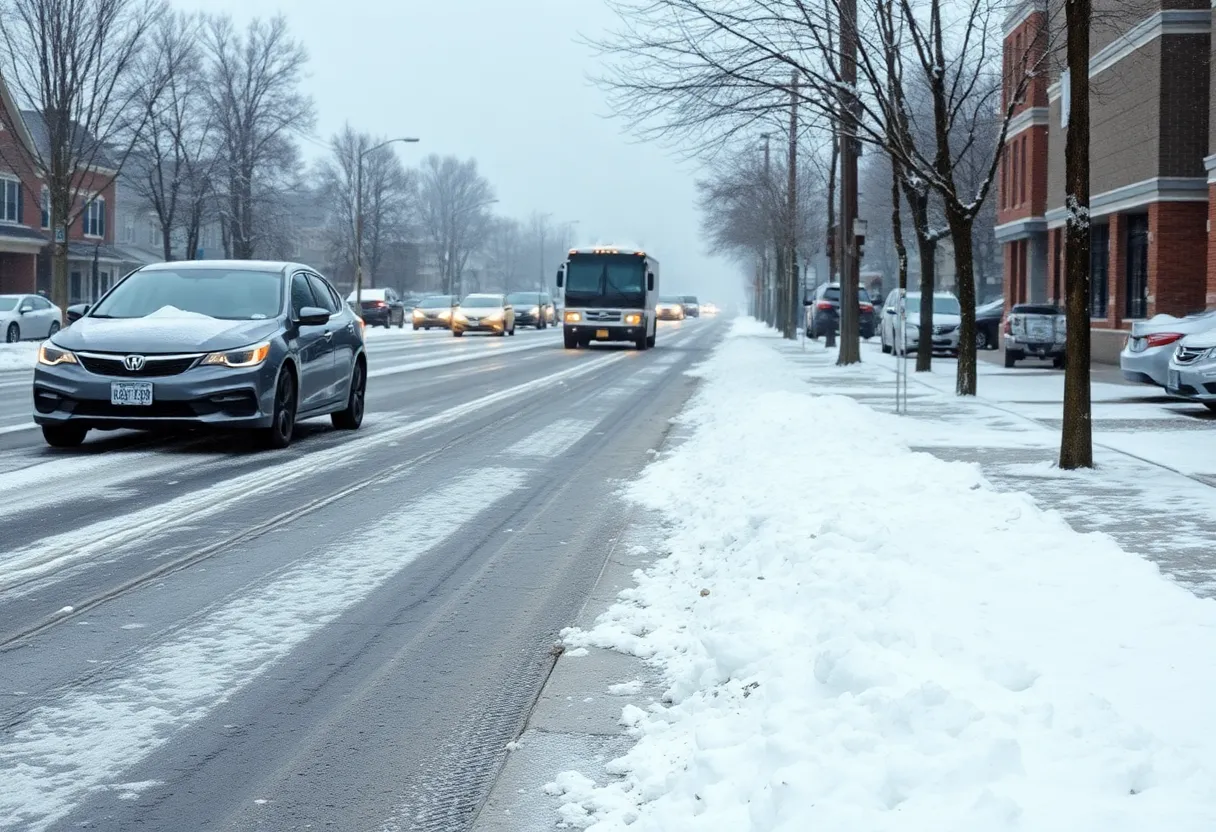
[(26, 317), (1192, 369), (205, 343), (1146, 355), (947, 317)]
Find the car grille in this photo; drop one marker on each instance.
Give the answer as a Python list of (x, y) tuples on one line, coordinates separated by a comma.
[(944, 330), (1189, 355), (598, 316), (156, 410), (154, 366)]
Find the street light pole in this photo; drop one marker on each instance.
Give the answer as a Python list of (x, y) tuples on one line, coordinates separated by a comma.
[(362, 152)]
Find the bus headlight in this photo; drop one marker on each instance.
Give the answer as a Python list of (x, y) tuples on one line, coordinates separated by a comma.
[(573, 317), (633, 319)]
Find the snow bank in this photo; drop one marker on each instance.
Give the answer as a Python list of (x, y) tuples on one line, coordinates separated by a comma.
[(19, 356), (859, 637)]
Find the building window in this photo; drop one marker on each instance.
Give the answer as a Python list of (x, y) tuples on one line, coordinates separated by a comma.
[(75, 288), (10, 200), (1025, 175), (1099, 269), (1136, 294), (1005, 176), (46, 207), (1057, 263), (95, 218), (128, 229), (1017, 174)]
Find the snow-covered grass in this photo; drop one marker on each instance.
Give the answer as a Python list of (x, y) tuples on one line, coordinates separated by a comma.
[(870, 638), (19, 356)]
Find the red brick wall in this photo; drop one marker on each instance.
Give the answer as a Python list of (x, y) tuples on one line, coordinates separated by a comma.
[(1177, 257), (18, 273), (15, 158), (1016, 200), (1211, 258)]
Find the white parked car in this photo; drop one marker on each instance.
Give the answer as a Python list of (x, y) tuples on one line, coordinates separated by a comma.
[(28, 317), (1192, 369), (947, 317), (1147, 353)]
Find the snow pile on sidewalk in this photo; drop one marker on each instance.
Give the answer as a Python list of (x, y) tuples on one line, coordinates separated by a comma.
[(859, 637), (19, 356)]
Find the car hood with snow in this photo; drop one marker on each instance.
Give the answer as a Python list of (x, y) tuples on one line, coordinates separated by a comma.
[(165, 331)]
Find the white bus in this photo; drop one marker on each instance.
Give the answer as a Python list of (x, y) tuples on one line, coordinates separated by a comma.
[(610, 295)]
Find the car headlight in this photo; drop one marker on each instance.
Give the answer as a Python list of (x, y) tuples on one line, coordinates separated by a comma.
[(50, 355), (573, 317), (497, 316), (445, 314), (418, 313), (244, 357), (535, 310), (633, 319)]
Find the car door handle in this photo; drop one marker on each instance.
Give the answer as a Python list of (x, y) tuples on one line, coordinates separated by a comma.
[(329, 335)]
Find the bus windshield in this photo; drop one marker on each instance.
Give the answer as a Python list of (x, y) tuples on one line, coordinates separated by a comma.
[(606, 280)]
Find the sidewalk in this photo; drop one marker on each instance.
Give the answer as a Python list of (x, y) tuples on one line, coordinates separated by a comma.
[(842, 632)]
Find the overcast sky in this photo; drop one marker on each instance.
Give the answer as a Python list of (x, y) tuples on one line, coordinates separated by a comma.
[(506, 82)]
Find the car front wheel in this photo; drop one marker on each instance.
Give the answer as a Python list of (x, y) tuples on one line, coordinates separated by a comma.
[(13, 335), (64, 436), (283, 422), (352, 416)]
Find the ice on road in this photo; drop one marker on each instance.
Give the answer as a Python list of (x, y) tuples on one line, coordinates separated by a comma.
[(854, 635)]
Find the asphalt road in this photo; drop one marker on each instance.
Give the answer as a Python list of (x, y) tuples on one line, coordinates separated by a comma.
[(344, 635)]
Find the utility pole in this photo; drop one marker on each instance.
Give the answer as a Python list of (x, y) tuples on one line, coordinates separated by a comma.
[(792, 301), (850, 350), (766, 280), (360, 153), (541, 224)]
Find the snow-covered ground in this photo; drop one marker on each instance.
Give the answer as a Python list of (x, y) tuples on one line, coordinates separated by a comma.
[(859, 636), (20, 356)]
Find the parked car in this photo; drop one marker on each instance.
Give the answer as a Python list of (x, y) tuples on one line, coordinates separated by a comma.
[(1192, 369), (484, 313), (28, 317), (947, 316), (824, 311), (380, 307), (434, 312), (988, 324), (1035, 330), (1150, 346), (670, 308), (534, 309), (205, 343), (692, 307)]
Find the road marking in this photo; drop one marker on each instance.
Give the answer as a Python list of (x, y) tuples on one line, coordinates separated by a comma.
[(62, 752), (16, 428), (554, 440), (59, 551)]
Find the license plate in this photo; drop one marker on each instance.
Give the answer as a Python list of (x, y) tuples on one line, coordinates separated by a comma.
[(601, 333), (1175, 379), (131, 392)]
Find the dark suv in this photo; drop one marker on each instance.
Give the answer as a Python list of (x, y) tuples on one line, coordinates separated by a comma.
[(824, 311), (692, 308), (532, 309)]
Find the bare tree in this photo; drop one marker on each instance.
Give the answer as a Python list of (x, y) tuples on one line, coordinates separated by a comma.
[(388, 192), (78, 65), (505, 251), (704, 71), (254, 82), (1076, 438), (453, 198), (172, 160)]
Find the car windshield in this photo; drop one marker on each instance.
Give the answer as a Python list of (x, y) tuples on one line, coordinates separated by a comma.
[(833, 293), (228, 294), (942, 304), (8, 304), (435, 301), (670, 300), (524, 299), (482, 301)]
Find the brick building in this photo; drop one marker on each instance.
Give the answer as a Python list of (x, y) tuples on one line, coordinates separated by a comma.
[(1152, 156)]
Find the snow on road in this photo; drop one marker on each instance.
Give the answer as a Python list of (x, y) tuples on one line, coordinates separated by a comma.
[(19, 356), (87, 738), (858, 636)]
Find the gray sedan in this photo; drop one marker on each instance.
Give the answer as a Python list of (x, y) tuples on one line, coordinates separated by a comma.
[(235, 345)]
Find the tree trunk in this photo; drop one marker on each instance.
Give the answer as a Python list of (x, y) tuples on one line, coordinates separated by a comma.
[(1076, 437), (59, 278), (897, 228), (927, 247), (833, 255), (774, 294), (961, 225), (166, 242)]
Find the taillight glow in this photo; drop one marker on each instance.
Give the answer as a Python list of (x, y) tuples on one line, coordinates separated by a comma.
[(1161, 339), (1009, 326), (867, 307), (823, 304)]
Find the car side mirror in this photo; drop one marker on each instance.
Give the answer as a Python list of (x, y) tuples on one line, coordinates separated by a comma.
[(561, 278), (313, 316), (77, 311), (649, 281), (890, 310), (25, 309)]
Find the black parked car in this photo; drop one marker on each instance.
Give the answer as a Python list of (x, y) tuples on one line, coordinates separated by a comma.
[(381, 307), (533, 309), (825, 311), (988, 324), (235, 345)]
